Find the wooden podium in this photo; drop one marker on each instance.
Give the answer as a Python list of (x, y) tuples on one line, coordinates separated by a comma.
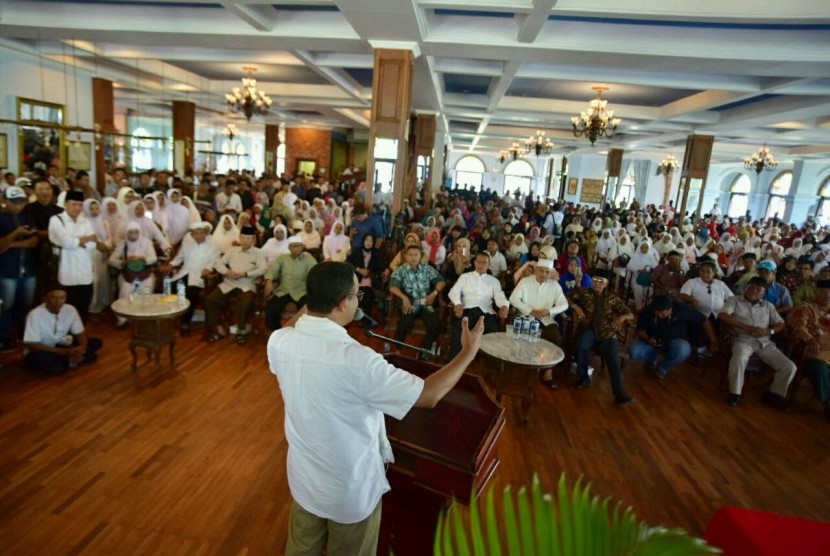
[(439, 453)]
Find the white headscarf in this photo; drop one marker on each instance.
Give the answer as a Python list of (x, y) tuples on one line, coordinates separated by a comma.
[(120, 199), (178, 217), (605, 243), (312, 239), (336, 245), (99, 225), (274, 247), (640, 260), (224, 238), (115, 221)]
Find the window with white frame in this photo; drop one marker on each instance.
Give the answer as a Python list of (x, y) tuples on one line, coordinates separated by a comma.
[(518, 175), (281, 159), (823, 212), (778, 191), (625, 192), (142, 154), (469, 171), (739, 196)]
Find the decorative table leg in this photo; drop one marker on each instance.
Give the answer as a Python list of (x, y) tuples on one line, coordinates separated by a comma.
[(134, 353)]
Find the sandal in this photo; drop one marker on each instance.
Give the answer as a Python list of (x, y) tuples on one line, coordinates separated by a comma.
[(214, 337)]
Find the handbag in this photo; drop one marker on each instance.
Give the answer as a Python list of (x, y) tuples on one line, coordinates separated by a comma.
[(644, 277), (135, 270)]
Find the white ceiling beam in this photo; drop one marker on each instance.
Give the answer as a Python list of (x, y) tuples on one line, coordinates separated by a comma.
[(531, 23), (498, 88), (336, 76), (254, 16)]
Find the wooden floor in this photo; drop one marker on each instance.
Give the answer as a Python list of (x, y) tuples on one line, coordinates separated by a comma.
[(192, 461)]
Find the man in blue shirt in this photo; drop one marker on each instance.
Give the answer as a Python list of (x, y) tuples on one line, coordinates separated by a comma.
[(364, 223), (18, 241), (777, 294)]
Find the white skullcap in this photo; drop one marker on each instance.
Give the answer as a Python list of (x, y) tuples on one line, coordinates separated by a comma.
[(545, 263), (293, 240)]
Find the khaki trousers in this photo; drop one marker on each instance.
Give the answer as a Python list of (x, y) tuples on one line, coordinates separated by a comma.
[(769, 354), (309, 534)]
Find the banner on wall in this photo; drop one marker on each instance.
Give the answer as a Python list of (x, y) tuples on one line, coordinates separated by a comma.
[(591, 191)]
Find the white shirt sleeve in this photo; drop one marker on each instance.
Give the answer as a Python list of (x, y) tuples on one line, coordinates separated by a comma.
[(388, 389)]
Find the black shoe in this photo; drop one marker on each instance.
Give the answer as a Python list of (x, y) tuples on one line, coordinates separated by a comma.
[(582, 383), (550, 383), (776, 401), (624, 401), (734, 400)]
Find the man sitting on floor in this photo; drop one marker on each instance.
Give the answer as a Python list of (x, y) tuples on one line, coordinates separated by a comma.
[(54, 337), (240, 266), (664, 328), (289, 271), (753, 320), (473, 296), (417, 285)]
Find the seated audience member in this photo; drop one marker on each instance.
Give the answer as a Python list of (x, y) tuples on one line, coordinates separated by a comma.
[(474, 295), (571, 250), (498, 264), (239, 267), (517, 249), (417, 285), (134, 258), (668, 277), (810, 325), (311, 237), (706, 293), (664, 328), (277, 245), (776, 293), (574, 277), (806, 282), (285, 281), (738, 279), (368, 265), (55, 339), (412, 238), (599, 316), (644, 260), (541, 298), (753, 320), (532, 254), (807, 291), (434, 251), (192, 264), (336, 244)]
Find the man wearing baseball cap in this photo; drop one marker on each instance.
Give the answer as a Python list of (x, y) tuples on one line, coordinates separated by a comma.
[(18, 241), (777, 294)]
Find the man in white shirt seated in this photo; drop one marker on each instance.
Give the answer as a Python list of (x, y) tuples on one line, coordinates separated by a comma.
[(228, 202), (706, 293), (473, 296), (240, 267), (542, 299), (54, 337), (336, 393), (498, 264)]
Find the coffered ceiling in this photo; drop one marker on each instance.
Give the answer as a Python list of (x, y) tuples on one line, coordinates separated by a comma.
[(494, 71)]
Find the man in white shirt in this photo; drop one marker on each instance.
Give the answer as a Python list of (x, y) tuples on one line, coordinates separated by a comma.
[(54, 337), (72, 233), (193, 262), (706, 293), (240, 267), (542, 299), (336, 393), (473, 296), (498, 264), (228, 202)]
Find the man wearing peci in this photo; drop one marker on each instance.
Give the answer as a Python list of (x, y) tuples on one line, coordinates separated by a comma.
[(336, 392)]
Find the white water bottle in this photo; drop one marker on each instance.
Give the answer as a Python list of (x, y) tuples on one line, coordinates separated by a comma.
[(136, 290), (181, 292), (167, 285)]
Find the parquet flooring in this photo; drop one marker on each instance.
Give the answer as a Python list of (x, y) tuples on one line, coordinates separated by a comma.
[(192, 461)]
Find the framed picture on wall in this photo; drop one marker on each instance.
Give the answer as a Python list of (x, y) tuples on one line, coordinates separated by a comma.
[(306, 166), (4, 151), (572, 183), (79, 156)]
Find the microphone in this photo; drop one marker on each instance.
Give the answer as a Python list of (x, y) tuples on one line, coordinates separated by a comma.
[(365, 320)]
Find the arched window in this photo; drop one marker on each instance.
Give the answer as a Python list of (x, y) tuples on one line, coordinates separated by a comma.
[(739, 196), (823, 212), (141, 153), (778, 191), (469, 170), (281, 159), (518, 175)]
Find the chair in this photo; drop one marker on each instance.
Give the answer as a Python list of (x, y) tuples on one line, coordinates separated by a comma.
[(754, 366)]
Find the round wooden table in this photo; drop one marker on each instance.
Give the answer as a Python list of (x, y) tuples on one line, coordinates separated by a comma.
[(151, 317), (517, 365)]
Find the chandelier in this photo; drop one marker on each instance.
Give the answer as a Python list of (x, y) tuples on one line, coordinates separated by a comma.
[(248, 100), (230, 131), (667, 166), (596, 122), (503, 154), (762, 160), (515, 151), (539, 144)]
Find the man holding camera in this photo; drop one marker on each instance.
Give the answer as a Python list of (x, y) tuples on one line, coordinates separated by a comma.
[(18, 241)]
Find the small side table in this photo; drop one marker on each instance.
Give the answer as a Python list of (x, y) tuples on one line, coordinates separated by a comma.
[(152, 321), (518, 362)]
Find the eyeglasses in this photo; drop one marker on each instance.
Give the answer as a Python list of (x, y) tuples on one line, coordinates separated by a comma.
[(358, 294)]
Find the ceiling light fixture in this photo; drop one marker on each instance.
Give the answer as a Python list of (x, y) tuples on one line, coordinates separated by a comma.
[(248, 100), (668, 165), (760, 161), (516, 150), (539, 144), (230, 131), (596, 122)]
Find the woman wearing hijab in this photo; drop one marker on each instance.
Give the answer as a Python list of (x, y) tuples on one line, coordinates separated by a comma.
[(160, 212), (137, 213), (277, 245), (134, 257), (101, 276), (115, 220), (226, 234), (547, 249), (665, 245), (192, 212), (368, 265), (517, 249), (603, 250), (311, 238), (434, 248), (644, 259), (619, 256), (178, 217), (336, 245), (124, 197)]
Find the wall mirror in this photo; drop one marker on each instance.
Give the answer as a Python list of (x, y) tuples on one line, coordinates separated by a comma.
[(40, 135)]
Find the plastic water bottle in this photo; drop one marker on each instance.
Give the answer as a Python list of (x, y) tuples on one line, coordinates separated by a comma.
[(167, 285), (136, 291), (181, 292), (535, 330), (526, 328), (517, 327)]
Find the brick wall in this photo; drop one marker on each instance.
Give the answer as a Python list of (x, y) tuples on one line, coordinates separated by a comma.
[(308, 144)]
